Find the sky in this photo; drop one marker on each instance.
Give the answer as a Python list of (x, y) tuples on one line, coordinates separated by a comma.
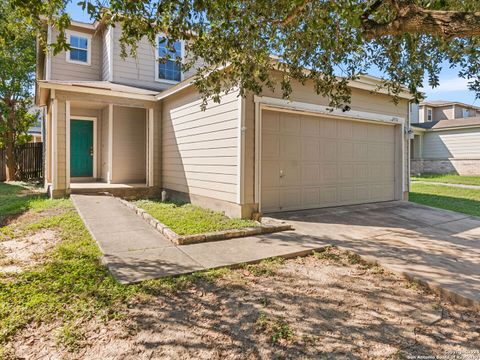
[(451, 87)]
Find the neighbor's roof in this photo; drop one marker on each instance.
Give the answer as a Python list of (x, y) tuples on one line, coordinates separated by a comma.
[(449, 124), (440, 103)]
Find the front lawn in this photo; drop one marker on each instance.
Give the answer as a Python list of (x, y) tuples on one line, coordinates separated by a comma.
[(64, 304), (187, 219), (448, 179), (447, 197), (15, 198)]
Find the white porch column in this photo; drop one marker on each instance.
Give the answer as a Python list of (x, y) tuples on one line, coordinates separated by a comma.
[(67, 143), (150, 140), (110, 144), (54, 145)]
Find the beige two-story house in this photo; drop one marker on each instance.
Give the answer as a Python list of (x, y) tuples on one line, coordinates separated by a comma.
[(446, 138), (134, 127)]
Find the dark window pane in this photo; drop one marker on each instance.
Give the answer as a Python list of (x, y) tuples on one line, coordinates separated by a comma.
[(78, 55)]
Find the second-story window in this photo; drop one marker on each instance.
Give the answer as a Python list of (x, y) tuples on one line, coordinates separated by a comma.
[(465, 113), (429, 115), (168, 56), (79, 52)]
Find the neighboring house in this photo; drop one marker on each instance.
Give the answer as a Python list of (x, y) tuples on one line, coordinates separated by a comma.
[(446, 139), (36, 130), (137, 125)]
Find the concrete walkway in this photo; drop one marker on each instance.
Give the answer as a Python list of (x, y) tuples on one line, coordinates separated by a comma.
[(464, 186), (437, 247), (134, 251)]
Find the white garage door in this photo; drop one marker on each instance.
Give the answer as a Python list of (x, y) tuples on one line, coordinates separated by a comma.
[(310, 162)]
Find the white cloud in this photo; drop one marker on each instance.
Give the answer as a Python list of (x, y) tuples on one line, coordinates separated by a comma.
[(447, 85)]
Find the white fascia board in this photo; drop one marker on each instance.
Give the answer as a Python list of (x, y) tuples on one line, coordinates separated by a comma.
[(275, 104), (90, 90)]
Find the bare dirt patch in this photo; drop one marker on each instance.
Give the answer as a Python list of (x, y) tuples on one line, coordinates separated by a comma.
[(326, 306), (20, 252)]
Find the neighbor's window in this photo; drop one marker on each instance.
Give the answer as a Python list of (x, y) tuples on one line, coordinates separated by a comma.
[(79, 48), (466, 113), (429, 114), (168, 55)]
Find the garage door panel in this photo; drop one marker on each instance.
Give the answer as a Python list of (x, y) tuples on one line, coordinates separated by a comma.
[(310, 149), (290, 124), (329, 195), (310, 173), (345, 151), (345, 130), (311, 197), (270, 172), (329, 150), (311, 162), (270, 121), (310, 126), (290, 173), (290, 147), (328, 128), (271, 146), (290, 199)]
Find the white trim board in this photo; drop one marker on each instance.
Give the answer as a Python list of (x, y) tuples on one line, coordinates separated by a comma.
[(241, 151), (95, 139), (297, 106)]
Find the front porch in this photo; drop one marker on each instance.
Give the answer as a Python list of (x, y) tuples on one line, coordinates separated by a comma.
[(100, 144), (124, 191)]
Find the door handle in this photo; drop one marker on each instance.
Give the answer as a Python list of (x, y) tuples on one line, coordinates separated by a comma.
[(91, 151), (282, 174)]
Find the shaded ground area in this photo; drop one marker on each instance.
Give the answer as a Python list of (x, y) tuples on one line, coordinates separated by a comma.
[(329, 305), (438, 247)]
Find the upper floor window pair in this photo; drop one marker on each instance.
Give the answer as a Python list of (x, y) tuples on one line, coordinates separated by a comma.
[(169, 69), (80, 45)]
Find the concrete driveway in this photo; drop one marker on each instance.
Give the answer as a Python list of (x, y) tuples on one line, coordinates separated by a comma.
[(437, 247)]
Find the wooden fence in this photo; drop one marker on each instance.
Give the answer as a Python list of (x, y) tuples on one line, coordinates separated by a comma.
[(29, 162)]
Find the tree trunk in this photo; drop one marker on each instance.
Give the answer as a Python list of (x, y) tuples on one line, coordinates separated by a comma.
[(10, 162), (10, 144)]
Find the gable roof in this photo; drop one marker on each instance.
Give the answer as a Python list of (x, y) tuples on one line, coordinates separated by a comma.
[(449, 124), (440, 103)]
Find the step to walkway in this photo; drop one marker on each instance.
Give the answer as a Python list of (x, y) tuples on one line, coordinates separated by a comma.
[(133, 251)]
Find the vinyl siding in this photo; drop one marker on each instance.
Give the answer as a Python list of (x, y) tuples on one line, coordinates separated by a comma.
[(129, 144), (460, 144), (200, 148), (443, 113), (63, 70), (361, 100), (139, 71)]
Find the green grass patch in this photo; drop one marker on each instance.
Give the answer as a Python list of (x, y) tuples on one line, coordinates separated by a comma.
[(275, 327), (188, 219), (462, 200), (16, 198), (449, 179)]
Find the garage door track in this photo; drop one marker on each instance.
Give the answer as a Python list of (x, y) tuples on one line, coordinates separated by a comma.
[(437, 247)]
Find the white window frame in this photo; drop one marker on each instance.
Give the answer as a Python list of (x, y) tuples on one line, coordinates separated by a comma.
[(429, 115), (69, 33), (182, 55)]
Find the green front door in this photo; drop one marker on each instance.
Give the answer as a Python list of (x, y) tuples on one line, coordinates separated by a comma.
[(81, 148)]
